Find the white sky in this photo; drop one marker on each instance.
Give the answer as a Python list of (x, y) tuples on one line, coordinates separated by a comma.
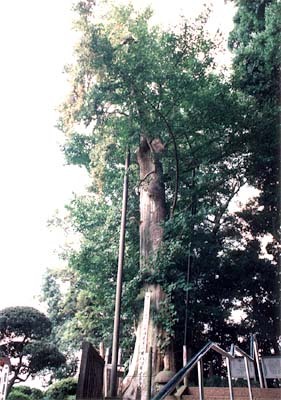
[(36, 42)]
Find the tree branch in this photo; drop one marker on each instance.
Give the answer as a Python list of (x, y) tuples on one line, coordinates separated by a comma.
[(172, 135), (23, 379), (146, 176)]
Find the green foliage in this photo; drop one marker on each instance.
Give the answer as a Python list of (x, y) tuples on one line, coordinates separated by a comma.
[(25, 392), (24, 334), (76, 150), (18, 395), (36, 394), (43, 356), (255, 42), (219, 381), (216, 381), (158, 71), (85, 309), (23, 321), (61, 390)]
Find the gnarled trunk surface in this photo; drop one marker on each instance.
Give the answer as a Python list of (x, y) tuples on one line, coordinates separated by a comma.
[(152, 215)]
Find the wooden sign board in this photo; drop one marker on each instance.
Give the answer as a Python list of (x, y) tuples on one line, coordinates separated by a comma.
[(143, 355), (90, 380), (238, 369), (271, 367)]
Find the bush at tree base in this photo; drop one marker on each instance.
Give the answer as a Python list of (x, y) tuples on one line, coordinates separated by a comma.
[(18, 395), (61, 390), (25, 393)]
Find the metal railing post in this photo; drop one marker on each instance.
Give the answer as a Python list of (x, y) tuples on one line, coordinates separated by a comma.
[(200, 379), (184, 359), (263, 372), (229, 378), (256, 356), (248, 378)]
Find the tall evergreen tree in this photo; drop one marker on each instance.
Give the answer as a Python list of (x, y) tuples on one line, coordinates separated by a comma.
[(255, 42)]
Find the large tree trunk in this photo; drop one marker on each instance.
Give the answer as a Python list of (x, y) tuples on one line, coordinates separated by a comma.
[(152, 215)]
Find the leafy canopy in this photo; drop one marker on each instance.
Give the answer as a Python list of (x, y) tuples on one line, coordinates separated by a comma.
[(24, 333), (23, 322)]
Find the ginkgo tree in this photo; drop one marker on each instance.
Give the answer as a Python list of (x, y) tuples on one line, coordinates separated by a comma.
[(160, 94)]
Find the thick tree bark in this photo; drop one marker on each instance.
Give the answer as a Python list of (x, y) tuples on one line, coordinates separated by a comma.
[(152, 202), (152, 216)]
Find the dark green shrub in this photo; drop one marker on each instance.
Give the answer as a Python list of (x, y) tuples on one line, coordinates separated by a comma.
[(222, 381), (24, 392), (36, 394), (16, 394), (216, 381), (61, 389), (243, 383), (24, 389)]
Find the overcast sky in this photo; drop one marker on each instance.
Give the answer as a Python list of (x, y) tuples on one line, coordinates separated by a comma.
[(36, 42)]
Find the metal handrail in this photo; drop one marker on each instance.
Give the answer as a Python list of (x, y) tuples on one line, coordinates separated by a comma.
[(242, 353), (196, 359), (178, 377)]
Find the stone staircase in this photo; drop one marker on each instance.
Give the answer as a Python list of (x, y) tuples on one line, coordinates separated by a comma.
[(222, 393)]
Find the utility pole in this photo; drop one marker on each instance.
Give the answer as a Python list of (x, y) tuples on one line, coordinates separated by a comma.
[(115, 342)]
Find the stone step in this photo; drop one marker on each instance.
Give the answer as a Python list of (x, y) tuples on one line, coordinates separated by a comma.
[(206, 397), (219, 393), (217, 397), (222, 393)]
